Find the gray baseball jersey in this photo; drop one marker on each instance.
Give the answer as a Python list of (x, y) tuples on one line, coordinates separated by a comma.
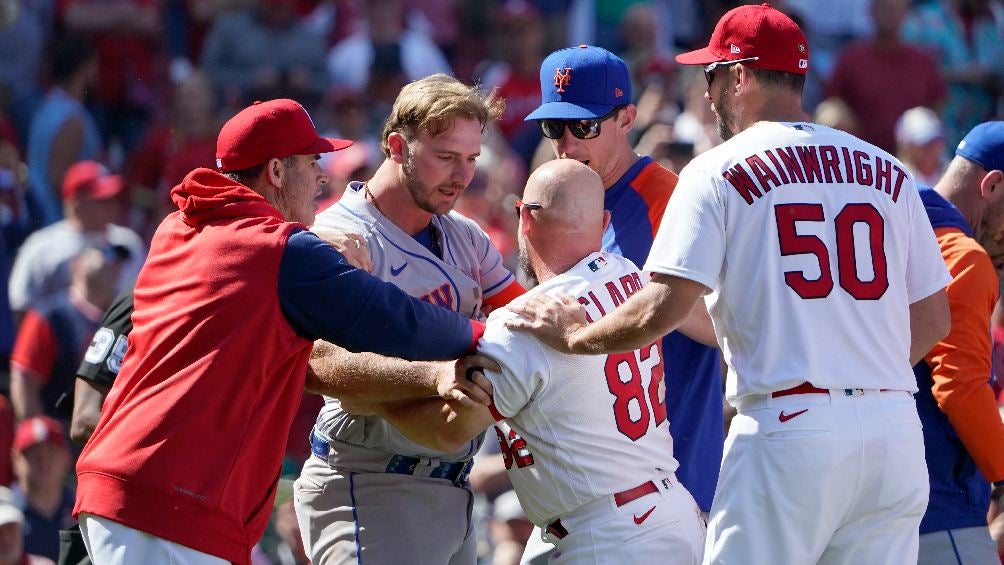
[(471, 269)]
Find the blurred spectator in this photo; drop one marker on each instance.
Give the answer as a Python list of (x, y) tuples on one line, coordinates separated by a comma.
[(41, 462), (12, 534), (24, 29), (648, 61), (882, 77), (186, 31), (510, 529), (348, 114), (965, 39), (265, 52), (356, 162), (835, 113), (520, 40), (597, 22), (42, 265), (829, 26), (15, 224), (383, 55), (56, 331), (127, 35), (440, 20), (62, 131), (171, 149), (920, 144), (696, 124)]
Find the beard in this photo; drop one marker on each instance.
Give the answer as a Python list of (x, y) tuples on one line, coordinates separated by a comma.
[(723, 113), (524, 262), (422, 193)]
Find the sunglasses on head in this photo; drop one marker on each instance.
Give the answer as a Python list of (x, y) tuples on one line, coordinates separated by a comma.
[(530, 205), (709, 71), (581, 129)]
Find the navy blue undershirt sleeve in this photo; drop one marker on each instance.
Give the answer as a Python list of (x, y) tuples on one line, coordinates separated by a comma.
[(325, 297)]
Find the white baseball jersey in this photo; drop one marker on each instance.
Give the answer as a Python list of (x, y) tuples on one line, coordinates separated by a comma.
[(813, 244), (578, 427), (471, 269)]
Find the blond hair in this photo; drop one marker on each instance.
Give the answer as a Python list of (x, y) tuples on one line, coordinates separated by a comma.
[(432, 103)]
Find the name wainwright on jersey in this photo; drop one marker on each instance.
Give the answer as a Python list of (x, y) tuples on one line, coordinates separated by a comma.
[(811, 164)]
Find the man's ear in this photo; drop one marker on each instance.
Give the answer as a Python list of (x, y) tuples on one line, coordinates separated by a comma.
[(740, 79), (992, 186), (398, 146), (627, 117), (275, 171)]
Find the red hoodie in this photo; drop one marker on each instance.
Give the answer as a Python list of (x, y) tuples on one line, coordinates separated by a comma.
[(191, 436), (227, 369)]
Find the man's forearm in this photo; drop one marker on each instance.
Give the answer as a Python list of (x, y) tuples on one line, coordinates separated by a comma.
[(88, 397), (435, 423), (652, 312), (25, 393), (368, 377)]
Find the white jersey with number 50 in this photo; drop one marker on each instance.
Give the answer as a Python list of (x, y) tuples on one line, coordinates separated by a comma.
[(578, 427), (814, 244)]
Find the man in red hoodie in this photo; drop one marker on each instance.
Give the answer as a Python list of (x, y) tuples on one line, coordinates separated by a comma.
[(183, 464)]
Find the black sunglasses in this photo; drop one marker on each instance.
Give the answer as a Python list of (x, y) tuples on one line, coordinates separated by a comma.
[(530, 205), (709, 71), (581, 129)]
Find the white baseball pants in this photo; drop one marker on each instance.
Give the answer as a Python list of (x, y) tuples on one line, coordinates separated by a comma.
[(111, 543), (833, 479)]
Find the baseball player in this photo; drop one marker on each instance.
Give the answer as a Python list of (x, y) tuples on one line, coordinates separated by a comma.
[(825, 284), (584, 438), (587, 114), (369, 494), (963, 432)]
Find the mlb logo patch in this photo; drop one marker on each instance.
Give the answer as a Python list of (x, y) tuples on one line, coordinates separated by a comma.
[(595, 265), (803, 63)]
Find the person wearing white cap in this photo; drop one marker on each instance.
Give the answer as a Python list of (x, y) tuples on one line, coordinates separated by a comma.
[(920, 144)]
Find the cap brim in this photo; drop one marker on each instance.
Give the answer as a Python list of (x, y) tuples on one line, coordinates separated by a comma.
[(702, 56), (569, 111), (326, 145), (106, 187)]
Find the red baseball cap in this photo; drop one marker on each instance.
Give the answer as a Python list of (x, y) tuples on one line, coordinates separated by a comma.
[(755, 31), (90, 179), (265, 130), (39, 429)]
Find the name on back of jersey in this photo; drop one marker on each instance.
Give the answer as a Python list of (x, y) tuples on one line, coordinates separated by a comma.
[(761, 172), (617, 290)]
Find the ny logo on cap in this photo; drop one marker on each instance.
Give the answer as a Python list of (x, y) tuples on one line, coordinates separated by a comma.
[(561, 80)]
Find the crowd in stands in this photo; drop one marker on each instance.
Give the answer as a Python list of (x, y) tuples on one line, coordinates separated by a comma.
[(107, 104)]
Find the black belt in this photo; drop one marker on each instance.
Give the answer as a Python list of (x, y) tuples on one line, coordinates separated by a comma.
[(455, 472)]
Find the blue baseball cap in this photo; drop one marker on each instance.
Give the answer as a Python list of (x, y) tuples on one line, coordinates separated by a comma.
[(984, 145), (581, 83)]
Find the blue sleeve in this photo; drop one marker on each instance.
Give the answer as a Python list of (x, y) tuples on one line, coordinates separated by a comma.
[(325, 297)]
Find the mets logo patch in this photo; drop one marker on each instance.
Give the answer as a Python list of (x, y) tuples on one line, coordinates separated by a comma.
[(562, 79)]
